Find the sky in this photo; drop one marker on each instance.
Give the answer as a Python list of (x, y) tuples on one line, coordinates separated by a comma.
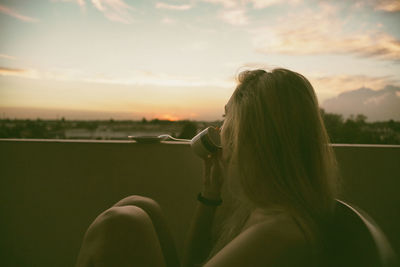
[(128, 59)]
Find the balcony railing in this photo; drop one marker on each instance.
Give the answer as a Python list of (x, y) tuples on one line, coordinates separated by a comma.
[(51, 190)]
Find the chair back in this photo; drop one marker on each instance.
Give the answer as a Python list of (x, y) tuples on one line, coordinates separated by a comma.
[(354, 239)]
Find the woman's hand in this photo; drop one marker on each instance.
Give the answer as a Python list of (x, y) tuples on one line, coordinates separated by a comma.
[(213, 177)]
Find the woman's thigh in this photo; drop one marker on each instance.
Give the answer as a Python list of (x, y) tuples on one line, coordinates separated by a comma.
[(153, 209), (121, 236)]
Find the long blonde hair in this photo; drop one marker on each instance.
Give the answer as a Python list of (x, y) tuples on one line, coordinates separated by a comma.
[(277, 151)]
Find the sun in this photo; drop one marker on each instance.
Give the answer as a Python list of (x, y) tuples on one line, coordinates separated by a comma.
[(168, 117)]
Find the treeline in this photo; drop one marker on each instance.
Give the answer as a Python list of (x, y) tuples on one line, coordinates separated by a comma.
[(56, 129), (352, 130), (356, 130)]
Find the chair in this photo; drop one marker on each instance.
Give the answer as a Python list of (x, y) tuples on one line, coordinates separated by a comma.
[(353, 239)]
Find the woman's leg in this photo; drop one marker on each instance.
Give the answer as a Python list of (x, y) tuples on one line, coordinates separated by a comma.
[(126, 208), (153, 209), (121, 236)]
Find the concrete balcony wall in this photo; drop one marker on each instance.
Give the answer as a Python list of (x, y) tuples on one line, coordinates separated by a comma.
[(50, 191)]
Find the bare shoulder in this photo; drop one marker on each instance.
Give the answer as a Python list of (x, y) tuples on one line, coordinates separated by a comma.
[(269, 241)]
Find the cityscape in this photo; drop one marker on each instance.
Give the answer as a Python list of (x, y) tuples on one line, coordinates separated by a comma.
[(352, 130)]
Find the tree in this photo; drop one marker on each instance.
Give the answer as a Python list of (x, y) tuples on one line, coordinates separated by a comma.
[(334, 126), (189, 130)]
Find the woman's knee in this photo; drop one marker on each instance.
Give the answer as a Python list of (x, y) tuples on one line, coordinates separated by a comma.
[(149, 205), (131, 215), (153, 209), (119, 220), (120, 233)]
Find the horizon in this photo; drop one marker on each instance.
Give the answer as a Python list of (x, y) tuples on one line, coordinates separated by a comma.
[(95, 117), (176, 60)]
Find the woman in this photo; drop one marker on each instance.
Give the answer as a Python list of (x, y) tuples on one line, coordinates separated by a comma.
[(278, 173)]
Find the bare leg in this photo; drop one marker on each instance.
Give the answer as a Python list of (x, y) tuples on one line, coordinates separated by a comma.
[(153, 209), (131, 233), (121, 236)]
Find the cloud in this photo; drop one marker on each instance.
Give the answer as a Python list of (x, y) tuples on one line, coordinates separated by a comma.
[(7, 57), (135, 77), (114, 10), (144, 77), (167, 20), (224, 3), (235, 16), (259, 4), (380, 5), (9, 71), (81, 3), (327, 86), (323, 32), (233, 12), (162, 5), (15, 14), (377, 105), (24, 73), (388, 5), (54, 74)]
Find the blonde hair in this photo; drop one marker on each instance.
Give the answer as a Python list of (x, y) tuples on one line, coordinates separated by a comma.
[(277, 151)]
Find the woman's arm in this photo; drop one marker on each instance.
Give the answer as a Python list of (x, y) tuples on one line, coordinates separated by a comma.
[(199, 241)]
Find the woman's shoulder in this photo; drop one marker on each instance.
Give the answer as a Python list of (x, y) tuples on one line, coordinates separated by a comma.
[(266, 240), (278, 221), (279, 227)]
